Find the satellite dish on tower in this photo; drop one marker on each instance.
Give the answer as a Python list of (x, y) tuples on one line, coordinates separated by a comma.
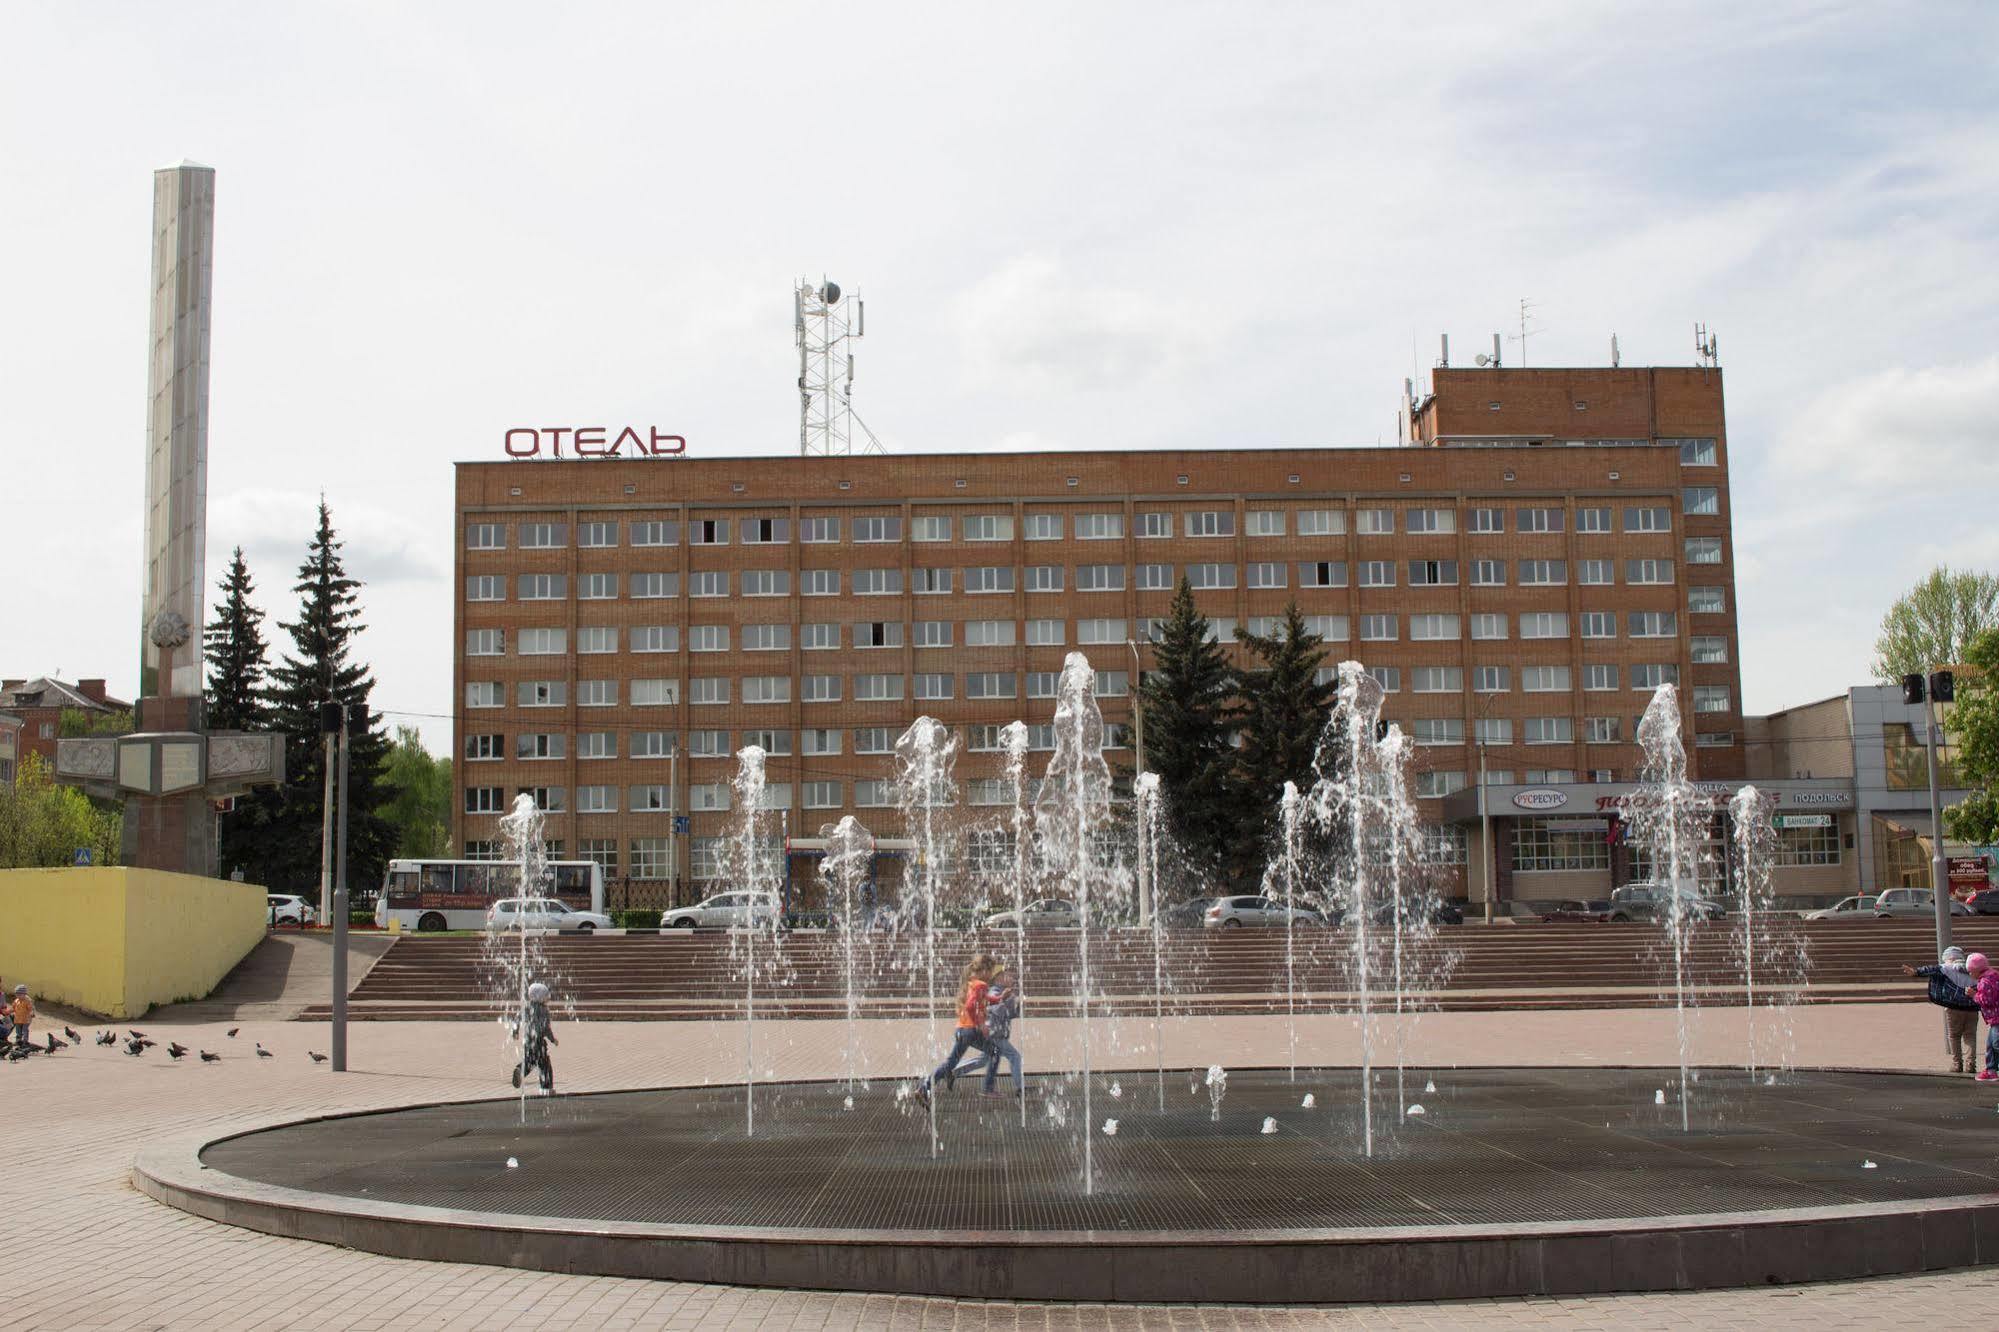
[(830, 293), (1482, 359)]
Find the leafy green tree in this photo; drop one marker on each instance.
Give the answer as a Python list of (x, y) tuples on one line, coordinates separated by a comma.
[(77, 722), (1282, 710), (320, 668), (1187, 699), (237, 671), (42, 824), (1934, 622), (418, 784), (1974, 725)]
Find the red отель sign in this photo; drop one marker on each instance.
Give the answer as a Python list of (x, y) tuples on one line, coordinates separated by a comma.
[(591, 442)]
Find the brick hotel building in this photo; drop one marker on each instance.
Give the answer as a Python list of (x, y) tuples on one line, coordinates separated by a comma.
[(1545, 548)]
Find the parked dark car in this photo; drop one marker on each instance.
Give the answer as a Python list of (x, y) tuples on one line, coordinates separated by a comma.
[(1442, 912), (1590, 912), (1190, 914), (1984, 903)]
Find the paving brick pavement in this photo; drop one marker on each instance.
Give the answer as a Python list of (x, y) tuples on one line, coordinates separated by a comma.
[(98, 1254)]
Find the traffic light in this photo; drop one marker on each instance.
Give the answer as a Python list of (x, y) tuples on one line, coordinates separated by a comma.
[(1912, 689), (1943, 687), (329, 719)]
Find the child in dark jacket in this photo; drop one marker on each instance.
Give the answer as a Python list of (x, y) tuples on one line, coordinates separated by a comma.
[(1950, 990)]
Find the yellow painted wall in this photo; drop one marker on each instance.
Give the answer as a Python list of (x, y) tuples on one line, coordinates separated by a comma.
[(115, 941)]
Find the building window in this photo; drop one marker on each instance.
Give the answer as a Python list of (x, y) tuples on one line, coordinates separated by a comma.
[(1538, 848), (485, 642), (1209, 576), (543, 587), (818, 531), (1101, 631), (544, 536), (597, 694), (650, 586), (708, 532), (1544, 624), (1322, 573), (989, 684), (541, 693), (874, 740), (1155, 524), (1209, 523), (596, 800), (877, 689), (991, 578), (700, 638), (1601, 730), (543, 642), (1543, 573), (1701, 501), (1431, 520), (932, 685), (1593, 520), (485, 536), (1809, 846), (776, 744), (1043, 633), (872, 795), (1544, 679), (1488, 573), (821, 688), (482, 747), (1437, 730), (551, 799), (487, 587), (766, 531), (766, 689), (766, 582), (1433, 573), (603, 851), (1377, 628), (876, 634), (654, 744), (1377, 573), (1113, 684), (932, 633), (1321, 522), (989, 633), (1712, 698), (1599, 624), (590, 535), (1548, 730), (819, 583), (1651, 518), (1653, 624), (1374, 522), (766, 638), (656, 533), (597, 587), (932, 582), (1696, 452), (1042, 527), (1487, 520), (1710, 651), (1596, 573), (1488, 625), (710, 583), (483, 800), (1493, 731), (708, 691), (1491, 679), (1437, 680), (651, 857), (930, 527), (1430, 785), (1599, 676), (819, 741), (1221, 628), (1537, 520), (877, 582), (1714, 739), (1651, 676), (708, 744), (877, 529), (1100, 526), (1642, 572), (820, 637), (1041, 684), (1266, 522), (1433, 626), (1707, 601), (708, 797), (704, 857), (822, 795)]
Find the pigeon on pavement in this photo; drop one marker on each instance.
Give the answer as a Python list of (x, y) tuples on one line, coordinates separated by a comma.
[(135, 1048), (208, 1058), (176, 1050), (55, 1045), (317, 1057), (107, 1038), (262, 1053), (231, 1033), (71, 1033)]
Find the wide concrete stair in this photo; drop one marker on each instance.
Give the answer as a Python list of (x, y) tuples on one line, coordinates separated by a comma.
[(1525, 966)]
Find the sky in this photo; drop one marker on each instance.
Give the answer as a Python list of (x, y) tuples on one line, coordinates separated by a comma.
[(1151, 225)]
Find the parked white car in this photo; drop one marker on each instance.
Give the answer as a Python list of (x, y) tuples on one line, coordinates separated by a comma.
[(288, 909), (724, 911), (1846, 908), (1049, 913), (1913, 904), (543, 913), (1234, 912)]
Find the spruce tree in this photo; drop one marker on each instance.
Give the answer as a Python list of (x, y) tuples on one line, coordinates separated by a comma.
[(237, 666), (1283, 710), (320, 669), (1187, 697)]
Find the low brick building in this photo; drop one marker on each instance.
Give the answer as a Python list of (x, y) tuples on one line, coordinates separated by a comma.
[(39, 705)]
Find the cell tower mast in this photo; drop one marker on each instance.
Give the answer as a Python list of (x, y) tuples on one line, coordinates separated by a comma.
[(826, 329)]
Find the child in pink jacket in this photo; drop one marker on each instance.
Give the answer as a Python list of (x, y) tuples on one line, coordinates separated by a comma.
[(1985, 992)]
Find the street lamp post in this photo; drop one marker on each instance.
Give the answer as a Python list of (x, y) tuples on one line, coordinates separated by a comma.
[(1138, 744)]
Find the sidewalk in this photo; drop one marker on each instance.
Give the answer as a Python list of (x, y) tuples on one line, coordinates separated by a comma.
[(103, 1256)]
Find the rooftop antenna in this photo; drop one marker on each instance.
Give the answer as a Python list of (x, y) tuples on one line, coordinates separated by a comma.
[(1492, 361), (1615, 360), (1444, 351), (826, 327), (1522, 335), (1707, 348)]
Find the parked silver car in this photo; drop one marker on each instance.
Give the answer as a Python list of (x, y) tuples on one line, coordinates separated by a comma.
[(1049, 913), (543, 913), (1859, 907), (1653, 901), (1227, 913), (1913, 904), (724, 911)]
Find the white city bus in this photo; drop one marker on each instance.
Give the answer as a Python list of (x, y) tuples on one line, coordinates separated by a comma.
[(456, 894)]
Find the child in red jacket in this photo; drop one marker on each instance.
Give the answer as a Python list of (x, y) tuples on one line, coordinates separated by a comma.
[(1985, 992)]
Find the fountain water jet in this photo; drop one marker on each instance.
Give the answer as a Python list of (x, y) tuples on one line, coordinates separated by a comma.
[(1290, 809), (525, 848), (750, 872), (849, 859), (1145, 792), (1754, 847), (1075, 798), (924, 755)]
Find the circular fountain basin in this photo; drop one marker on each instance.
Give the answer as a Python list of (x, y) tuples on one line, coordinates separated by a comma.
[(1510, 1182)]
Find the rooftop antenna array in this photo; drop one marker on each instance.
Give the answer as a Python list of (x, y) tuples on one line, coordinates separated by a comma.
[(826, 328), (1707, 348), (1522, 336)]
